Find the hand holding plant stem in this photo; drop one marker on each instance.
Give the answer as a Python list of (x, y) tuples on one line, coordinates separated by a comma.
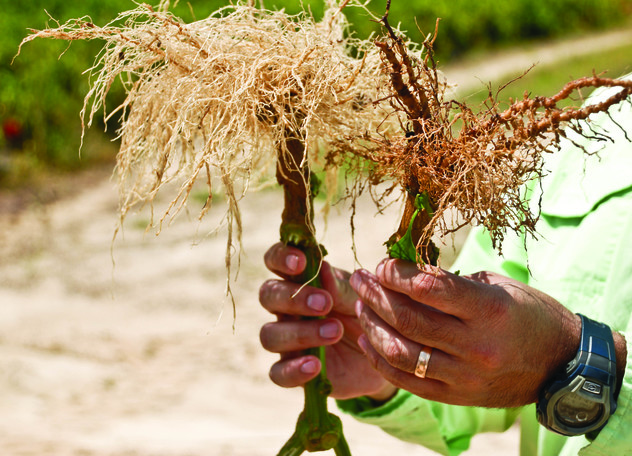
[(316, 428)]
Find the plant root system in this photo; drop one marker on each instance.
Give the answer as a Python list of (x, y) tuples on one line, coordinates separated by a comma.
[(477, 163)]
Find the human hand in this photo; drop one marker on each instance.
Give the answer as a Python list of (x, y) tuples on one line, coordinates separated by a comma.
[(348, 370), (494, 340)]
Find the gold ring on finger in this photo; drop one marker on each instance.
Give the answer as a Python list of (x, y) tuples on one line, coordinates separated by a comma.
[(422, 361)]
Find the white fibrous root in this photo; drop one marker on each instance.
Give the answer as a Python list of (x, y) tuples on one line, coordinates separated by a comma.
[(217, 98)]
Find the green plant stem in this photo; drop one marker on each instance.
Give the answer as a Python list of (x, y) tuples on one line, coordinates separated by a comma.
[(403, 244), (316, 428)]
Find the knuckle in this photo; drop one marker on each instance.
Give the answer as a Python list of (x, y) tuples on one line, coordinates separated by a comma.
[(422, 286), (266, 290), (286, 336), (277, 296), (369, 293), (281, 375), (432, 285), (396, 353), (369, 290), (272, 374), (269, 258), (440, 333), (409, 322), (419, 326), (265, 336), (488, 357), (496, 308)]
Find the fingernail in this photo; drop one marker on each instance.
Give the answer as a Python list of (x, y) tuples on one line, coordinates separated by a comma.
[(309, 367), (363, 343), (329, 330), (291, 261), (317, 302), (358, 308), (379, 269)]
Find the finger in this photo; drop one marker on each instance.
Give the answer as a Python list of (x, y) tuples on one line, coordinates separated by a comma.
[(428, 387), (336, 281), (457, 392), (295, 372), (410, 318), (283, 297), (285, 260), (287, 336), (352, 328), (435, 287), (400, 352)]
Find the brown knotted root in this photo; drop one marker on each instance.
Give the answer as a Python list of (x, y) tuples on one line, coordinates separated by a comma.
[(475, 163)]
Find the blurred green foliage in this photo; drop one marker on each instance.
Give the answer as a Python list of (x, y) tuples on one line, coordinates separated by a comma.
[(483, 24), (41, 93)]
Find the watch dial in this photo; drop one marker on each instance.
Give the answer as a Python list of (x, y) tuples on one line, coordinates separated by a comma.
[(576, 411)]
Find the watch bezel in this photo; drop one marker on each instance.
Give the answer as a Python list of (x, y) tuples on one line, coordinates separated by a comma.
[(594, 363), (556, 423)]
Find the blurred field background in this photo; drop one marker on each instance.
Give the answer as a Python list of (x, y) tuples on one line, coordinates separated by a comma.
[(41, 92)]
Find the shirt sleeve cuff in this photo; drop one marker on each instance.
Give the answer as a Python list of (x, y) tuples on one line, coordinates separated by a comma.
[(405, 416)]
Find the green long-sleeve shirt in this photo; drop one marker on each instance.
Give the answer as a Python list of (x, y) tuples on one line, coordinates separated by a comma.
[(582, 257)]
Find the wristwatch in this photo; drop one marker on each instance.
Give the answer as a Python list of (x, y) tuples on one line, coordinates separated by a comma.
[(581, 399)]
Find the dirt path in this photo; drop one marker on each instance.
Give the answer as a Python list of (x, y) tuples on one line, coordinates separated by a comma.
[(475, 73), (130, 359)]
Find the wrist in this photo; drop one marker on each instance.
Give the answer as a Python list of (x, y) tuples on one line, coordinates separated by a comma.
[(569, 342), (386, 393), (621, 353)]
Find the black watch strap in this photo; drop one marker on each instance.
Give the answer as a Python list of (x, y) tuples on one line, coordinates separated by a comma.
[(596, 339)]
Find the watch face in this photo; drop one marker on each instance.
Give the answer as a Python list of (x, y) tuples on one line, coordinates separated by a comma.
[(576, 411)]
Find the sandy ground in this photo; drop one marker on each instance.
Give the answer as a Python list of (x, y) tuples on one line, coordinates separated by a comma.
[(139, 356)]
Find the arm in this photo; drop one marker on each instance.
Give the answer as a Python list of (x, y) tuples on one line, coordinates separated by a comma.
[(582, 258)]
